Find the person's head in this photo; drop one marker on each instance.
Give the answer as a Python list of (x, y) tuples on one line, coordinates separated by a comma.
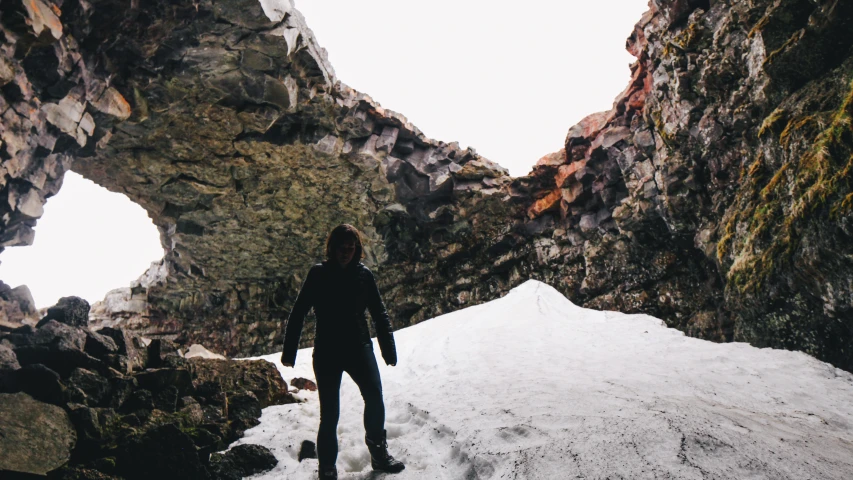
[(344, 245)]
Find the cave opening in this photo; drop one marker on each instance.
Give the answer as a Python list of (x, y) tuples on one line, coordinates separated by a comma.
[(88, 241)]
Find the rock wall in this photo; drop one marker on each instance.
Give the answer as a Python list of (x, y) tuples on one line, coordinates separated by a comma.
[(715, 194)]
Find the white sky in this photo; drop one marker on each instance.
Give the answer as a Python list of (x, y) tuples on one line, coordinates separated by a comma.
[(508, 79), (531, 386), (88, 242)]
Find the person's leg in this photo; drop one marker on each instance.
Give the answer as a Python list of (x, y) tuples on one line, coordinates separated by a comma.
[(364, 371), (328, 375)]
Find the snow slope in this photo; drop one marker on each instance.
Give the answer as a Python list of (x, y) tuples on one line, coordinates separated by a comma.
[(532, 386)]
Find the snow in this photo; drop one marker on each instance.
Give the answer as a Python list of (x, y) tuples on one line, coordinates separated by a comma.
[(200, 351), (531, 386), (275, 10)]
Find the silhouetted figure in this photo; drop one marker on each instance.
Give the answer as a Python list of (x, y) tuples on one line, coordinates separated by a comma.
[(340, 290)]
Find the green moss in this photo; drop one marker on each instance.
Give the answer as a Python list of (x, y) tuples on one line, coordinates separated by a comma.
[(779, 211), (771, 121), (796, 37)]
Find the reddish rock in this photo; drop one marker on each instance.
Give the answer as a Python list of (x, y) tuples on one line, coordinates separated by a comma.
[(303, 384)]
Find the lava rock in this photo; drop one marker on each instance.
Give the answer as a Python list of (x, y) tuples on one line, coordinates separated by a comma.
[(41, 383), (99, 346), (167, 399), (139, 400), (307, 450), (95, 387), (303, 384), (258, 376), (8, 368), (163, 452), (244, 406), (36, 437), (242, 461), (159, 350), (72, 311), (156, 380)]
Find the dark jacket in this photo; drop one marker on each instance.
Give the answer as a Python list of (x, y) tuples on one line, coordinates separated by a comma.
[(340, 297)]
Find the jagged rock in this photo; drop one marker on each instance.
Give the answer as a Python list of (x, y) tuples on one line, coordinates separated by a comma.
[(158, 352), (99, 346), (303, 384), (307, 450), (8, 367), (37, 437), (95, 388), (242, 461), (17, 306), (163, 452), (259, 377), (41, 383), (128, 345), (8, 359), (729, 106), (138, 400), (167, 399), (72, 311), (244, 407), (155, 380)]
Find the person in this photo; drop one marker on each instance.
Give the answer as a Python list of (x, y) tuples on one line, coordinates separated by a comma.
[(340, 290)]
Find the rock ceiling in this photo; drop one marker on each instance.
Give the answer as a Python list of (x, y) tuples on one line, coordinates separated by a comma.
[(715, 194)]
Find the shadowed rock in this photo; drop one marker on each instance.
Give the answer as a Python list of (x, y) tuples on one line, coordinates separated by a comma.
[(37, 437)]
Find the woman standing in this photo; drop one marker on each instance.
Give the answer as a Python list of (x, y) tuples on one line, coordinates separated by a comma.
[(340, 290)]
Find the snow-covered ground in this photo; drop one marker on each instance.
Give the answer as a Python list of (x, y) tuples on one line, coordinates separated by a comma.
[(531, 386)]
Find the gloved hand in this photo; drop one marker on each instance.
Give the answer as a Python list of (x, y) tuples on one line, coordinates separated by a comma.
[(390, 361)]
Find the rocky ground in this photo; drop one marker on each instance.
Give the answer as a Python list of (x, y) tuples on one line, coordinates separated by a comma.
[(714, 195), (81, 404)]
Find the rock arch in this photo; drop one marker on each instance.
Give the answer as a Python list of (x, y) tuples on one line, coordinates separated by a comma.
[(230, 128)]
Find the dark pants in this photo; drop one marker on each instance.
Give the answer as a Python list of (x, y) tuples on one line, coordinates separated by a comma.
[(329, 366)]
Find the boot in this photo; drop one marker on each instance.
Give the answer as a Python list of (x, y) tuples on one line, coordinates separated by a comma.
[(327, 472), (380, 459)]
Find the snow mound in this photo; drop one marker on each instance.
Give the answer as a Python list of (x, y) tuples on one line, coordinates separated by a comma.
[(199, 350), (531, 386)]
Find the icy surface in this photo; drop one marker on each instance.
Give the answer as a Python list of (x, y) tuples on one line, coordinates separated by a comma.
[(532, 386)]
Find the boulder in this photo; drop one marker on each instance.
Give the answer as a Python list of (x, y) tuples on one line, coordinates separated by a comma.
[(37, 437), (138, 400), (258, 376), (99, 346), (159, 350), (242, 461), (163, 452), (49, 334), (307, 450), (72, 311), (158, 379), (244, 407), (167, 399), (18, 305), (95, 388), (8, 367), (41, 383), (303, 384)]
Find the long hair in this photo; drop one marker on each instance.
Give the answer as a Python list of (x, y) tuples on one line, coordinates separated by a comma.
[(339, 235)]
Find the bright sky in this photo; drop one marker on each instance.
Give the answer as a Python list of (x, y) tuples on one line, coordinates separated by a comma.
[(88, 242), (508, 79)]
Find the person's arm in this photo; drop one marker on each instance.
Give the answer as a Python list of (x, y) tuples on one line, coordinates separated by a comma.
[(293, 329), (381, 321)]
